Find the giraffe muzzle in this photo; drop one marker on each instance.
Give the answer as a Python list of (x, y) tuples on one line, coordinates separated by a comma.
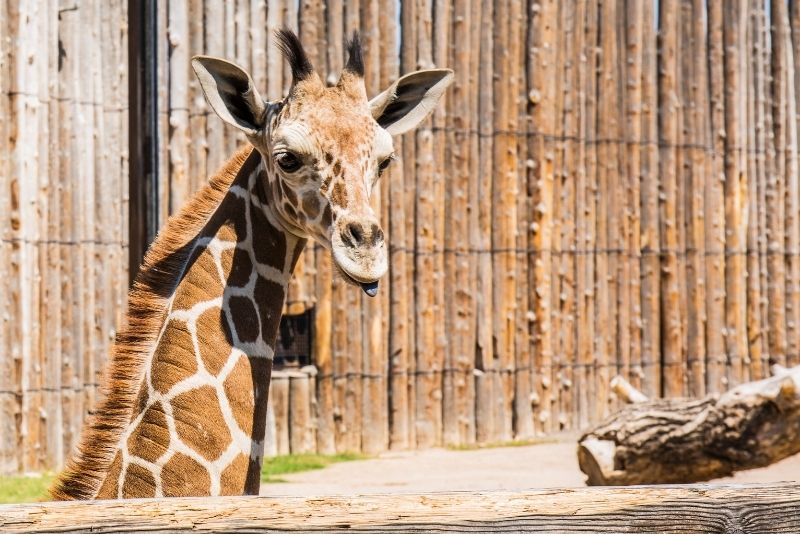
[(358, 247)]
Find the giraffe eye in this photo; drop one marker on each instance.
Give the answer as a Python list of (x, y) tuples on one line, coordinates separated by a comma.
[(382, 166), (288, 162)]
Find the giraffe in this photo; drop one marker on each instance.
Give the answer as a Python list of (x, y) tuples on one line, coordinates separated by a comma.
[(186, 391)]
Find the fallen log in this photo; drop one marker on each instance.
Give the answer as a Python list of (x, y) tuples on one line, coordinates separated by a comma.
[(689, 440), (757, 509)]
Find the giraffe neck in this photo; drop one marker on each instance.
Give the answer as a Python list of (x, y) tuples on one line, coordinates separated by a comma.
[(197, 426)]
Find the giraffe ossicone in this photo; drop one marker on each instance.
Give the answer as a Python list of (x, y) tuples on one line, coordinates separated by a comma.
[(188, 378)]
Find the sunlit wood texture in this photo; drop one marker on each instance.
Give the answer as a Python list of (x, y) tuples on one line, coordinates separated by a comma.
[(609, 187), (63, 218), (686, 509)]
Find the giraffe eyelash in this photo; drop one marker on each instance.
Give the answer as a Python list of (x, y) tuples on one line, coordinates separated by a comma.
[(383, 165)]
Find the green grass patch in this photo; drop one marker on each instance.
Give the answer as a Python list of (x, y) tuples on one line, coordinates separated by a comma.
[(23, 488), (295, 463), (498, 444)]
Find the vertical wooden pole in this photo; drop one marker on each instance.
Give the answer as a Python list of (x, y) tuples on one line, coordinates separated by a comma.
[(585, 384), (481, 238), (672, 348), (715, 207), (541, 84), (734, 31), (694, 137)]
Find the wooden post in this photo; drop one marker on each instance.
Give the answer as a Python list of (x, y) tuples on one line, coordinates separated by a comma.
[(715, 208)]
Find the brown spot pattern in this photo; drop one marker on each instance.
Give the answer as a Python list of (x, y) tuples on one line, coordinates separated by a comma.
[(183, 477), (242, 268), (173, 359), (288, 194), (150, 440), (269, 244), (339, 196), (109, 488), (199, 422), (241, 394), (327, 217), (234, 476), (139, 482), (214, 339), (200, 281), (244, 318), (266, 295), (311, 205)]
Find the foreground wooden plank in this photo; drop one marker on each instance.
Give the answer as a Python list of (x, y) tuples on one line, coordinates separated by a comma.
[(697, 508)]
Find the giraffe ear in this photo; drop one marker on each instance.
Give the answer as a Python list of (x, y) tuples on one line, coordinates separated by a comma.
[(410, 99), (230, 92)]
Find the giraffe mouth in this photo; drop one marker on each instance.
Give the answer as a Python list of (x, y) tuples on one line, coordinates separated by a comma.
[(370, 288)]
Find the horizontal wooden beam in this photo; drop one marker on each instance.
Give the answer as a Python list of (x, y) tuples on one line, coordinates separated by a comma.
[(699, 508)]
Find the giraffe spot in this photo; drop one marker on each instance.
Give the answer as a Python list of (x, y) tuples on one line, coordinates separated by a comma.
[(214, 339), (269, 243), (182, 476), (227, 232), (141, 401), (233, 478), (290, 211), (244, 318), (327, 217), (326, 182), (139, 483), (108, 490), (241, 267), (229, 221), (173, 359), (269, 298), (288, 194), (200, 279), (339, 196), (200, 423), (246, 389), (311, 204), (150, 440), (328, 158)]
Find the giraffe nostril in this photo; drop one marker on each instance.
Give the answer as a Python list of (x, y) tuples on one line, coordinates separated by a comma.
[(356, 234), (377, 234)]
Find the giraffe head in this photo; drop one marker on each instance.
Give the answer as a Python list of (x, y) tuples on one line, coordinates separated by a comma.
[(325, 148)]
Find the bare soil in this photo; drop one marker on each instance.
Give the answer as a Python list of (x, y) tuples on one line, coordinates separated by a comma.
[(543, 465)]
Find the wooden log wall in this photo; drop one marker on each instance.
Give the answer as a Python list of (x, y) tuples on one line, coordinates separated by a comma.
[(609, 187), (63, 218)]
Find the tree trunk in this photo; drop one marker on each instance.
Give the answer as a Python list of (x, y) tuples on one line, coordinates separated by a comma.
[(684, 440)]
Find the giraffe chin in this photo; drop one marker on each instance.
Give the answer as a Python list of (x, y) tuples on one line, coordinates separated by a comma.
[(370, 288)]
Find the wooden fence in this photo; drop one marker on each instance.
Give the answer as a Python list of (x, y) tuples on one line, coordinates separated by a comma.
[(611, 186), (63, 218), (696, 509)]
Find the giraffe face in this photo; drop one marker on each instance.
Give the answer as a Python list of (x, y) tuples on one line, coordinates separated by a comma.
[(325, 154), (324, 148)]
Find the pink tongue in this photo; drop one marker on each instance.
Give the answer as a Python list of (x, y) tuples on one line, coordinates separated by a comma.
[(370, 289)]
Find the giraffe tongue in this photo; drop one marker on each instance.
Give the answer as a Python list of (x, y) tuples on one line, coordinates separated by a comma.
[(371, 288)]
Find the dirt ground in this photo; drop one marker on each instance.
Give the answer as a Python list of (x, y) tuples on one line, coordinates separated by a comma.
[(504, 468)]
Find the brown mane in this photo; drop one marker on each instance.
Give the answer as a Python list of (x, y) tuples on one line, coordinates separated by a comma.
[(147, 300)]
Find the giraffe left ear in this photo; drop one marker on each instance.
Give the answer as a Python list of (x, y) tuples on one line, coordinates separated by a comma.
[(230, 92), (410, 99)]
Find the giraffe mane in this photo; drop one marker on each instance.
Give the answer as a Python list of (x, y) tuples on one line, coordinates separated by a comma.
[(147, 301)]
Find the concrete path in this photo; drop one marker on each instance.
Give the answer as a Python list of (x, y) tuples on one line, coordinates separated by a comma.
[(505, 468)]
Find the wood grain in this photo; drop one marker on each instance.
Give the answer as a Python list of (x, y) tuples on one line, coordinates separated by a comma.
[(676, 509)]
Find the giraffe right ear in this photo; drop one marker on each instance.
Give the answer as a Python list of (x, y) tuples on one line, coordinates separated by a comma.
[(230, 92)]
